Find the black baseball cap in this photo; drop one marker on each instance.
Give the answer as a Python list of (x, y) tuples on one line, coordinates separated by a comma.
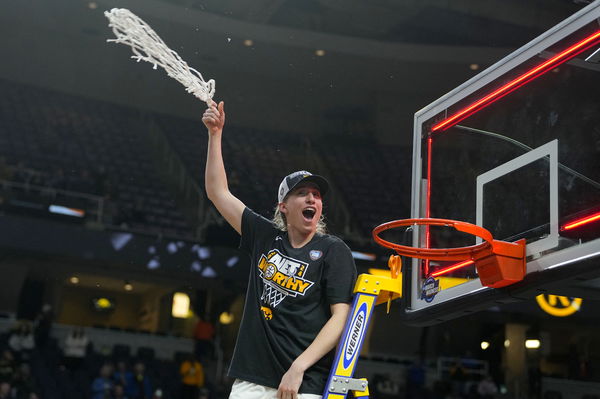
[(293, 179)]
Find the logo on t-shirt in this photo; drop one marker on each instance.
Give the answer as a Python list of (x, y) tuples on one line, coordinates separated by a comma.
[(315, 254), (282, 277), (267, 312)]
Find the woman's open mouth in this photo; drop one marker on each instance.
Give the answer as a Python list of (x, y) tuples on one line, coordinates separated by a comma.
[(309, 213)]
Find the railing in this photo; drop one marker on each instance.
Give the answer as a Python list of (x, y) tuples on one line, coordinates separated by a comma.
[(104, 339), (40, 198), (470, 367), (35, 199)]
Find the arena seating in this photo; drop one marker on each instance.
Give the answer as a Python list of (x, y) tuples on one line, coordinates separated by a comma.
[(255, 159), (371, 178), (92, 147), (86, 146)]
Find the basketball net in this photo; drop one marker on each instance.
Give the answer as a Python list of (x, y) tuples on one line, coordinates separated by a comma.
[(271, 295), (148, 46)]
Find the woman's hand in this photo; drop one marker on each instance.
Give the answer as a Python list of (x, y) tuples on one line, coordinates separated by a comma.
[(214, 117), (290, 383)]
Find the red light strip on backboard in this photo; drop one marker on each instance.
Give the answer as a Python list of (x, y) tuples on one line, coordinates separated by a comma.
[(453, 267), (428, 199), (514, 84), (569, 226), (581, 222)]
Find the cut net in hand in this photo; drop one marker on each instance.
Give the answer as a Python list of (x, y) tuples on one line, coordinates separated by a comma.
[(148, 46)]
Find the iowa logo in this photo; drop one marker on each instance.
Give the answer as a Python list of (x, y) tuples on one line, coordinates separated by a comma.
[(282, 276), (559, 306), (268, 313)]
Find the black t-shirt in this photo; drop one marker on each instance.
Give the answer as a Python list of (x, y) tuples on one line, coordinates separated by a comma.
[(290, 291)]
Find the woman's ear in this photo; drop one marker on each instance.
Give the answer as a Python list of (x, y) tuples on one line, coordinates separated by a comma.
[(282, 207)]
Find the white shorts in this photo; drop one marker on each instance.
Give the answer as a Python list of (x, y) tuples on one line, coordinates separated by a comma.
[(247, 390)]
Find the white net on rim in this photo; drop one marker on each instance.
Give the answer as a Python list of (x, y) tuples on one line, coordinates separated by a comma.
[(272, 295), (148, 46)]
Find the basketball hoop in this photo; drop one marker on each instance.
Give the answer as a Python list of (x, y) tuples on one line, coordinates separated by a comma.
[(498, 263)]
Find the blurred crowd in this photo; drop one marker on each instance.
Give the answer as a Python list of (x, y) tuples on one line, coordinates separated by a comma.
[(26, 358)]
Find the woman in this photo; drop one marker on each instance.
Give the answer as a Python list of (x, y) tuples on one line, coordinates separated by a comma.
[(300, 285)]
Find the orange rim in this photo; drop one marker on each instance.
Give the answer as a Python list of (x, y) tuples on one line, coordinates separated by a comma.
[(459, 253)]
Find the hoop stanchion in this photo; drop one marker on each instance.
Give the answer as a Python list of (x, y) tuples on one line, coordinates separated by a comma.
[(498, 263)]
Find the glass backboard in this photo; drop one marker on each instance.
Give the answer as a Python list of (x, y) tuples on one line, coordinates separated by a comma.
[(516, 149)]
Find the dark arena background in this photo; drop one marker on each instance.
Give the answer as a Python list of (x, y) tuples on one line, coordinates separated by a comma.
[(112, 259)]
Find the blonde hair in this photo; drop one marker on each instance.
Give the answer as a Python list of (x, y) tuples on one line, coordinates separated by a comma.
[(280, 222)]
